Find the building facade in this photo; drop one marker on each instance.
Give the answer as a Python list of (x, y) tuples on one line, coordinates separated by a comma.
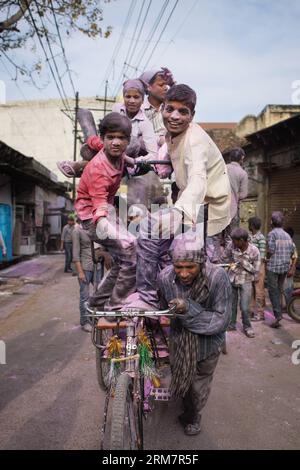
[(30, 196), (42, 130), (273, 166)]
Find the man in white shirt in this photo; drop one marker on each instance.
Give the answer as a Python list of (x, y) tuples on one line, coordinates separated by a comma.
[(201, 176), (238, 182)]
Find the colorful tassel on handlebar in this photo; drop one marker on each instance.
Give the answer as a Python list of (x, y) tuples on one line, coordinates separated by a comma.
[(114, 351), (146, 362)]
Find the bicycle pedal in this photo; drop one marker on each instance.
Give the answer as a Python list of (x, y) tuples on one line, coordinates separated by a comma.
[(161, 394)]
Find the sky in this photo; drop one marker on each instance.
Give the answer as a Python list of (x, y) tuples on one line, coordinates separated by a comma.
[(238, 55)]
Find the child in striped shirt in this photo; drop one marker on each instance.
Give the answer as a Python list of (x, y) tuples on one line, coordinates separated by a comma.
[(258, 297)]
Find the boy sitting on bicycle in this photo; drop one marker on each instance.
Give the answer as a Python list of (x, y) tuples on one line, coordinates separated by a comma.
[(201, 293), (201, 177), (94, 205)]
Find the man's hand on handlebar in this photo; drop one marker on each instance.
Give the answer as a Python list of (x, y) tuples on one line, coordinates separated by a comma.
[(180, 306)]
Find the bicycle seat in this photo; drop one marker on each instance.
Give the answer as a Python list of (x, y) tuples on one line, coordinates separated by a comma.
[(104, 324)]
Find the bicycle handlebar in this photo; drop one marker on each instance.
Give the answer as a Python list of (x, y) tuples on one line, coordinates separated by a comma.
[(131, 313), (154, 162), (227, 265)]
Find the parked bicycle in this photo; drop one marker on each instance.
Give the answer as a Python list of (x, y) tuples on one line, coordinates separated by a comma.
[(293, 306)]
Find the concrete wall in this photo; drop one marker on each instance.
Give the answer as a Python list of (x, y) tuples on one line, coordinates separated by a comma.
[(39, 129), (246, 126), (270, 115), (258, 185)]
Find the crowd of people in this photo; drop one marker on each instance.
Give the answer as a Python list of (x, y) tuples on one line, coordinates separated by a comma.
[(176, 254)]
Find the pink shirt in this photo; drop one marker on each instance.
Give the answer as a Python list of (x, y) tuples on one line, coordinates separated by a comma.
[(97, 188)]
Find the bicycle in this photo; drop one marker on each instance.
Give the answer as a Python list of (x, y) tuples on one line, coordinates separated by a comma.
[(129, 341)]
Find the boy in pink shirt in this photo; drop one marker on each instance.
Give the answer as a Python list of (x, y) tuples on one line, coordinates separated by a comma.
[(94, 205)]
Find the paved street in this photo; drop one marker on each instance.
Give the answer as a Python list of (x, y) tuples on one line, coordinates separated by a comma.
[(49, 397)]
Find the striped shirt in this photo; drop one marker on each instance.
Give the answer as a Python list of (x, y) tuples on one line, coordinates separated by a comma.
[(280, 250), (155, 117), (209, 319), (259, 240), (247, 264), (295, 254)]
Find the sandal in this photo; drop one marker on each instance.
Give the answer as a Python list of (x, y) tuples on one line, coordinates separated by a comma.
[(66, 168), (276, 324), (249, 333), (192, 429)]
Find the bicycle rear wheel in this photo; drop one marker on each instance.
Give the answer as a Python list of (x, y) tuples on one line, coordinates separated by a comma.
[(293, 308), (126, 426)]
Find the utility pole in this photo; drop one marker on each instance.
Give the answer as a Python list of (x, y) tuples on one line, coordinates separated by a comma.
[(105, 101), (75, 140), (105, 97)]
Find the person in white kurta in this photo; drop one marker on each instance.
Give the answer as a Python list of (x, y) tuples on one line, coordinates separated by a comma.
[(201, 175)]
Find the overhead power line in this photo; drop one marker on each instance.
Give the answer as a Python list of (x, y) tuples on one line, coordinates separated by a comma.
[(135, 66), (140, 32), (150, 36), (52, 56), (118, 45), (161, 34), (179, 28), (65, 102), (133, 37), (62, 47)]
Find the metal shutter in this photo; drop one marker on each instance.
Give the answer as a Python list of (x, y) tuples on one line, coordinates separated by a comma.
[(284, 196)]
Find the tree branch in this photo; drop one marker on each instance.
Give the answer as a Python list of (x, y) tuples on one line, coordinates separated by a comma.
[(10, 22)]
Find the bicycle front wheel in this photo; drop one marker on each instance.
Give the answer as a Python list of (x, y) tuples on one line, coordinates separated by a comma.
[(102, 364), (125, 425)]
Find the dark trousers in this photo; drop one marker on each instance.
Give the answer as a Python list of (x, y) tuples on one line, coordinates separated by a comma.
[(120, 280), (93, 278), (68, 255), (197, 395), (152, 256), (243, 293), (275, 287)]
